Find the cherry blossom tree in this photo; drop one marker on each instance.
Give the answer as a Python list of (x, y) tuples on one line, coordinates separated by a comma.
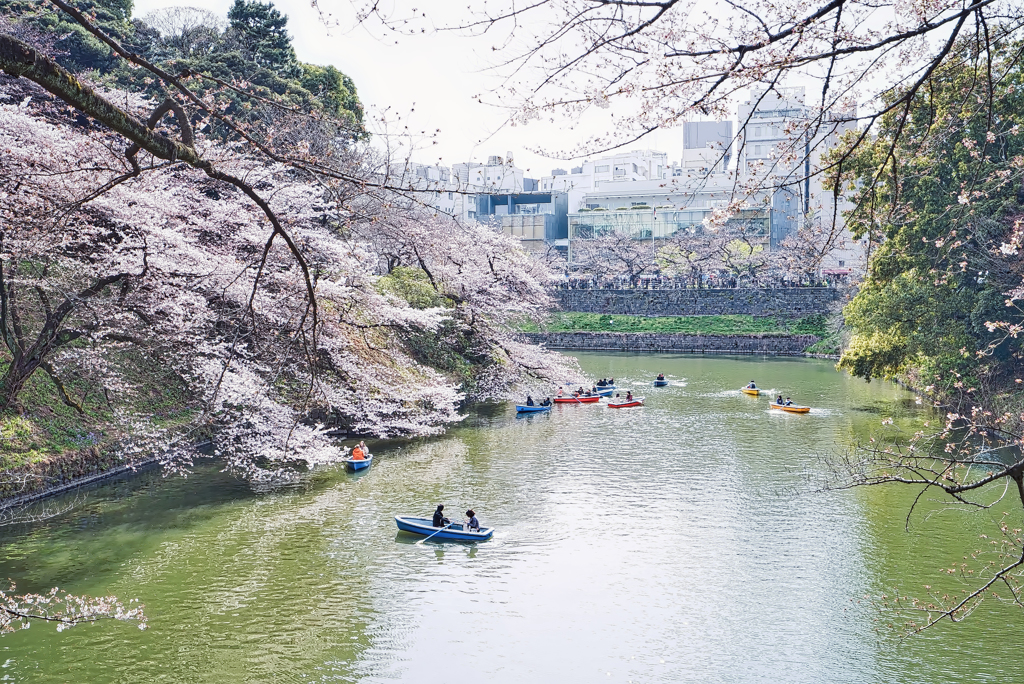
[(267, 323), (615, 254), (252, 274), (663, 62)]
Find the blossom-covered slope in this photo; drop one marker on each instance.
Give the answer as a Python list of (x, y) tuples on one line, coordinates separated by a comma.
[(182, 279)]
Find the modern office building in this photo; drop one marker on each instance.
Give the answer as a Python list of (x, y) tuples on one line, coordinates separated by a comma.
[(765, 166)]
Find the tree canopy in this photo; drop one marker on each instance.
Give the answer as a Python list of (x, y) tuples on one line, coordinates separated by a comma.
[(944, 222), (251, 57)]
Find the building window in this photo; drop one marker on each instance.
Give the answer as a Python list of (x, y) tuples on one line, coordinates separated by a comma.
[(757, 132), (601, 169), (757, 150), (449, 195)]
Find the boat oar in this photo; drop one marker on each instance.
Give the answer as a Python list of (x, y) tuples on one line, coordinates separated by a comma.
[(431, 535)]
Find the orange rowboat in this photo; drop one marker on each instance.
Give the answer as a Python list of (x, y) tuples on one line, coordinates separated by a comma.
[(751, 392), (792, 408), (577, 400)]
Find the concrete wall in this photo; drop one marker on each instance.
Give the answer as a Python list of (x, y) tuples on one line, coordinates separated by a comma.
[(793, 302), (780, 345)]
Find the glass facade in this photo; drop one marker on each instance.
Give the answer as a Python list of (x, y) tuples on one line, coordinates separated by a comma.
[(659, 224)]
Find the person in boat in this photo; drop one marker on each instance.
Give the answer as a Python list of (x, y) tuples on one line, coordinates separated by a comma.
[(529, 400), (559, 391), (611, 381), (546, 402), (779, 400), (789, 402), (473, 523), (357, 452), (751, 385), (601, 383), (439, 519), (661, 376), (629, 397)]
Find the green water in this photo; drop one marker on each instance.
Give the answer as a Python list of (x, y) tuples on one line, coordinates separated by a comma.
[(679, 542)]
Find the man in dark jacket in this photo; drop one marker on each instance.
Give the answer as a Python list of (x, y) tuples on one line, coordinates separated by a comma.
[(439, 519)]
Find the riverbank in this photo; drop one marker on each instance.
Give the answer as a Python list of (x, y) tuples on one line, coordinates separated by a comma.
[(733, 324), (767, 344), (790, 302), (723, 334), (48, 445)]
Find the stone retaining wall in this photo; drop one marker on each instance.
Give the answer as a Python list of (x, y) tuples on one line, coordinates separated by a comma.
[(794, 302), (778, 345)]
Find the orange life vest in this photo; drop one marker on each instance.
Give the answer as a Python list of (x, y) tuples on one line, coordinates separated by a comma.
[(357, 454)]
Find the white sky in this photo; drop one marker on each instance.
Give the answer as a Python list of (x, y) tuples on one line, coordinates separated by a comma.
[(430, 81)]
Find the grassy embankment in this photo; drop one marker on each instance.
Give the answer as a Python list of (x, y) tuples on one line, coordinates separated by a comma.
[(568, 321), (44, 442)]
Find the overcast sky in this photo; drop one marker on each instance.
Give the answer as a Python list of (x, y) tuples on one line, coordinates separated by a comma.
[(430, 82)]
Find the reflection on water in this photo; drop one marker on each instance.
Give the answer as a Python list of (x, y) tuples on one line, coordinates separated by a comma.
[(671, 543)]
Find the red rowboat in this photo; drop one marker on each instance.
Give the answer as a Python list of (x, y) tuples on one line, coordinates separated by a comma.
[(628, 404), (577, 400)]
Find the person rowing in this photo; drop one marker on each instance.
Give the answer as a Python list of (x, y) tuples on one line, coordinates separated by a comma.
[(529, 400), (546, 402), (661, 376), (473, 523), (789, 402), (439, 519), (751, 385)]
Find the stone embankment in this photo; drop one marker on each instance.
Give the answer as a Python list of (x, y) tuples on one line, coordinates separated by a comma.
[(766, 344), (793, 302)]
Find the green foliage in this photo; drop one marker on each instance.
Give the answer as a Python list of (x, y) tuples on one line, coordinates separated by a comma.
[(45, 427), (939, 207), (704, 325), (413, 286), (335, 92), (255, 53), (262, 32), (74, 47)]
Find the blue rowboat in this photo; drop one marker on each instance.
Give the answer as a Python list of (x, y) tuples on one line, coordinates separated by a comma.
[(605, 391), (602, 388), (661, 383), (353, 464), (531, 409), (455, 531)]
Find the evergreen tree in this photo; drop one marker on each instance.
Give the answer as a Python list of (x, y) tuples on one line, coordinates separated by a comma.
[(75, 48), (944, 208), (261, 33)]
